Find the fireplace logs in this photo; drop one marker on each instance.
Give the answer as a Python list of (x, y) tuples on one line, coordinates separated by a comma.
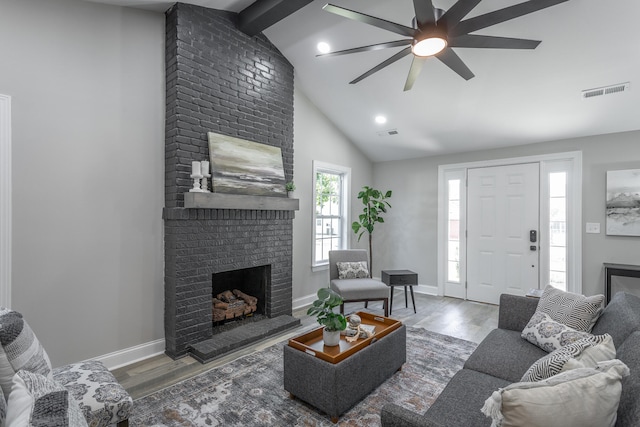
[(229, 305)]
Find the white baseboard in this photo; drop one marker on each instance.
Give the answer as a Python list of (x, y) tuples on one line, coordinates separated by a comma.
[(125, 357), (426, 289), (130, 355), (304, 301)]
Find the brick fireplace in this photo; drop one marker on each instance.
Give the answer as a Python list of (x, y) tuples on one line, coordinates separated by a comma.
[(221, 80)]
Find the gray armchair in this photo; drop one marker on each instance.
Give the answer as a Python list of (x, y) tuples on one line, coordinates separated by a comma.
[(356, 290)]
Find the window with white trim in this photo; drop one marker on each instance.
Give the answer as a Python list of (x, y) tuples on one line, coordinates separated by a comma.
[(330, 219)]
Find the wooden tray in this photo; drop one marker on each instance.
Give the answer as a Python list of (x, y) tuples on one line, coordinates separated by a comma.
[(312, 342)]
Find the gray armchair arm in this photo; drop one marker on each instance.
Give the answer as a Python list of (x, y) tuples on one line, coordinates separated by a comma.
[(393, 415), (515, 311)]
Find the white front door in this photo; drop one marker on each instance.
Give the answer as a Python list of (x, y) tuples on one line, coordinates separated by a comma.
[(503, 231)]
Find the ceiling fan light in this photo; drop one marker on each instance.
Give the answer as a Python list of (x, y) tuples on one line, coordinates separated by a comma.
[(429, 46)]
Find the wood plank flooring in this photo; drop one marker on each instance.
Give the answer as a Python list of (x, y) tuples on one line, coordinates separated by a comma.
[(450, 316)]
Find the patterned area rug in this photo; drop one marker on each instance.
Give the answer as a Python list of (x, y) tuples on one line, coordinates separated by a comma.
[(249, 391)]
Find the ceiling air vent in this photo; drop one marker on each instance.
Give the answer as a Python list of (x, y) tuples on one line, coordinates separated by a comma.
[(606, 90), (389, 132)]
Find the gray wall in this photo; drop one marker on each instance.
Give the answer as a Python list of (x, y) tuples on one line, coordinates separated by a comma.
[(316, 138), (87, 87), (409, 236)]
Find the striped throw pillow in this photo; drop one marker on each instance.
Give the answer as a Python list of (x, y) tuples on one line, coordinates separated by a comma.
[(19, 350), (584, 353)]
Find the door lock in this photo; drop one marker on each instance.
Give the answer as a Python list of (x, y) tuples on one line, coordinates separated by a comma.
[(533, 236), (533, 248)]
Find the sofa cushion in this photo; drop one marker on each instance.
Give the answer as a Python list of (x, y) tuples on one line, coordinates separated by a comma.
[(504, 354), (574, 310), (19, 349), (620, 318), (352, 270), (575, 398), (584, 353), (629, 410), (548, 334), (36, 400), (460, 402)]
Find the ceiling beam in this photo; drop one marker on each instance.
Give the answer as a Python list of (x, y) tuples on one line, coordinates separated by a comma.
[(264, 13)]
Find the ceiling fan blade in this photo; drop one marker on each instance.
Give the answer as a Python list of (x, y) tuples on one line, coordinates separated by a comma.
[(453, 61), (368, 48), (371, 20), (404, 52), (458, 11), (492, 42), (414, 71), (424, 12), (501, 15)]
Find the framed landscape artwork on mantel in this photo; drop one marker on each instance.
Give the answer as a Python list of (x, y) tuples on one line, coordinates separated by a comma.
[(239, 166), (623, 202)]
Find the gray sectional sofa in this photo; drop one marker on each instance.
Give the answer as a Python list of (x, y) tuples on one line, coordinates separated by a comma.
[(503, 357)]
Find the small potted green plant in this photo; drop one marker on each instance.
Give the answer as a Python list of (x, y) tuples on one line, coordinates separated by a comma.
[(333, 323), (290, 187)]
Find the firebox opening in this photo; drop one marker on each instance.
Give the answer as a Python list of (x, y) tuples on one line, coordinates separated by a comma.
[(238, 294)]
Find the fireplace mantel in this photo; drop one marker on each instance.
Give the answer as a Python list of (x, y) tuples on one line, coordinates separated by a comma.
[(239, 201)]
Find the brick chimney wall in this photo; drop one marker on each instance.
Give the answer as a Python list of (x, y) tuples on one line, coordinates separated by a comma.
[(220, 80)]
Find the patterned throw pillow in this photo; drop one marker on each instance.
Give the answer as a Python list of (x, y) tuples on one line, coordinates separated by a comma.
[(19, 350), (352, 270), (574, 310), (36, 400), (584, 353), (548, 334)]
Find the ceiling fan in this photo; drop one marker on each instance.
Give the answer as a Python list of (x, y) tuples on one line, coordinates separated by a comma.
[(434, 32)]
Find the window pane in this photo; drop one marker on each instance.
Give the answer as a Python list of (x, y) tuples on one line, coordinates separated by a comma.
[(557, 209), (454, 251), (454, 189), (329, 221), (453, 272), (558, 279), (558, 184), (557, 258), (454, 209)]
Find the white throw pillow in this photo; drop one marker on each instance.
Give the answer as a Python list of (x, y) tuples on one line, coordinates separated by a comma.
[(584, 353), (574, 310), (548, 334), (576, 398), (352, 270), (36, 400)]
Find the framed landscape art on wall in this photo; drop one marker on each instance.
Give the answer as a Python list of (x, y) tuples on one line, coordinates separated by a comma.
[(623, 202), (239, 166)]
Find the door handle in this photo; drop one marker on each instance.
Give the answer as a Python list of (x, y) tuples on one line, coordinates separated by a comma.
[(533, 248)]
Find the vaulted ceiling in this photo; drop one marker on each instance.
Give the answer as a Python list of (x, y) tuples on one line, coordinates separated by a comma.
[(516, 96)]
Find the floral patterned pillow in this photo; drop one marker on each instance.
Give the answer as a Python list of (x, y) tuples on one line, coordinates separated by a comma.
[(352, 270), (548, 334)]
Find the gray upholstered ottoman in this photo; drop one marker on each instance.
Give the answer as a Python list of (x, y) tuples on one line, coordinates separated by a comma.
[(334, 388)]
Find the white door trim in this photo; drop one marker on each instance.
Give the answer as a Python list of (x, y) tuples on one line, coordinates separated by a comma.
[(5, 200), (574, 242)]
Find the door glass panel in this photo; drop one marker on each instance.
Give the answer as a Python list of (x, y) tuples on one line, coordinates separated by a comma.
[(453, 235), (558, 229)]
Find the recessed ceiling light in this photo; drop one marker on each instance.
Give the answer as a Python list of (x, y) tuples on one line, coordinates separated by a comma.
[(381, 120), (323, 47)]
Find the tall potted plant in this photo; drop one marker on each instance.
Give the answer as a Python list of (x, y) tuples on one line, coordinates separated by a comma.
[(333, 323), (374, 206)]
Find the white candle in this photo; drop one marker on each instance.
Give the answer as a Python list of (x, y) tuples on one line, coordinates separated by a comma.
[(205, 167), (195, 168)]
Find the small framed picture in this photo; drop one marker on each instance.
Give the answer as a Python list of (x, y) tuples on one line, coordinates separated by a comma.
[(623, 202)]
